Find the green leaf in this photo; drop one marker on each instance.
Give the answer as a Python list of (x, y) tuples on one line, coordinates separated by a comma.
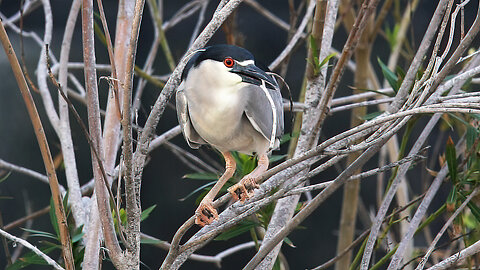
[(146, 212), (77, 237), (401, 74), (77, 234), (391, 77), (276, 265), (201, 176), (372, 115), (451, 157), (123, 216), (53, 218), (243, 227), (473, 208), (275, 158), (249, 165), (472, 135), (392, 34), (470, 221), (30, 258), (374, 91), (289, 242), (197, 190), (99, 33), (5, 177), (287, 137), (475, 115), (150, 241), (452, 198), (313, 44), (326, 59), (35, 233), (315, 62)]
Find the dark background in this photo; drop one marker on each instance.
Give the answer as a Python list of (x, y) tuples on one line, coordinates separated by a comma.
[(162, 182)]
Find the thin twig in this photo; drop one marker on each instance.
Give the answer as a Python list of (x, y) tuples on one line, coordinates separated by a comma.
[(461, 255), (445, 226), (24, 219), (26, 244), (293, 41)]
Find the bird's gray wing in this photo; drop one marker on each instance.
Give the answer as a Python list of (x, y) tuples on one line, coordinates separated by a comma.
[(191, 136), (262, 106)]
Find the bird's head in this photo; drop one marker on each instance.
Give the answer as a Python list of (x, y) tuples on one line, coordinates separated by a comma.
[(226, 65)]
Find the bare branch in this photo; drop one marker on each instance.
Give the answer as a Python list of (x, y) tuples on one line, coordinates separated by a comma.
[(26, 244), (461, 255), (293, 41), (93, 109)]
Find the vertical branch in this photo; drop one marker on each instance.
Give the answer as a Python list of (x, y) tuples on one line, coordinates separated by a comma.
[(42, 69), (366, 10), (65, 135), (43, 144), (317, 36), (112, 118), (132, 186), (93, 109)]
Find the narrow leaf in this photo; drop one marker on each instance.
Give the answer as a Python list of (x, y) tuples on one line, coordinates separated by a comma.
[(29, 259), (5, 177), (451, 157), (326, 59), (201, 176), (53, 218), (146, 212), (243, 227), (197, 190), (389, 75), (372, 115)]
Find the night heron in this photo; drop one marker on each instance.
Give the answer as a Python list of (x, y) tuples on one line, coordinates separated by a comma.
[(228, 100)]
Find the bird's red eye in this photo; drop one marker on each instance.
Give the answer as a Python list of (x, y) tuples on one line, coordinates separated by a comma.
[(228, 62)]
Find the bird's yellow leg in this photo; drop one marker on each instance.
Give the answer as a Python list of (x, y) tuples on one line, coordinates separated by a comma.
[(244, 189), (206, 213)]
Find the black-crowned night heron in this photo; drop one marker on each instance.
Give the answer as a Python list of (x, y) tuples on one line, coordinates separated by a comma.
[(226, 99)]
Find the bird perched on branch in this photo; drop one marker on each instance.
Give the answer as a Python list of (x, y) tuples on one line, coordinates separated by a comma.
[(228, 100)]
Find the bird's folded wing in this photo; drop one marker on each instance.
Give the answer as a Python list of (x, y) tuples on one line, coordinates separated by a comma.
[(191, 136), (262, 107)]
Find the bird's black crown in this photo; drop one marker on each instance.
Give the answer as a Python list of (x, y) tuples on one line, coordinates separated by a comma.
[(219, 53)]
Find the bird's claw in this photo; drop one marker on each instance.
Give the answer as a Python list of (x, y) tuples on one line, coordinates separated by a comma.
[(205, 214), (243, 190)]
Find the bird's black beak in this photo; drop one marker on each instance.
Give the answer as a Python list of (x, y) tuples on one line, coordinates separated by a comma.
[(253, 74)]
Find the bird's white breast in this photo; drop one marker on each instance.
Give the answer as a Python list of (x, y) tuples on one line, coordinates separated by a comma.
[(216, 106)]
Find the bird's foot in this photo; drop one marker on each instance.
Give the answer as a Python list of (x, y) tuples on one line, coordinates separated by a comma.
[(205, 214), (244, 189)]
